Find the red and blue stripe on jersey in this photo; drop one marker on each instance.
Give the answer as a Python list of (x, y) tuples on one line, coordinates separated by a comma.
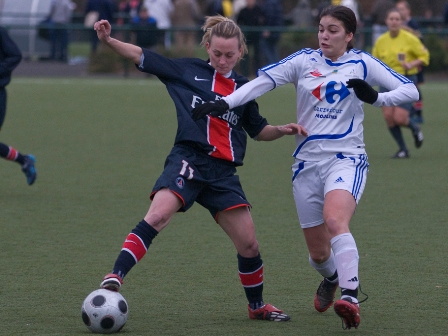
[(219, 132)]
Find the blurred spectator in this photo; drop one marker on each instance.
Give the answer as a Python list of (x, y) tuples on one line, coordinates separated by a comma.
[(251, 16), (144, 27), (220, 7), (186, 14), (378, 17), (105, 10), (353, 5), (227, 8), (61, 15), (318, 10), (301, 15), (127, 9), (445, 15), (273, 12), (405, 11), (161, 10), (237, 6), (214, 7), (359, 37)]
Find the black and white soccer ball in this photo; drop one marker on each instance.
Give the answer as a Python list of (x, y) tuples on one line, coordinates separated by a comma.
[(104, 311)]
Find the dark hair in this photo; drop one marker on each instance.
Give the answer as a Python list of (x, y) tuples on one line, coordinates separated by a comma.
[(346, 16)]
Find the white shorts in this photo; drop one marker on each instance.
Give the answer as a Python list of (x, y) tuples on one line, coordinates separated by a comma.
[(312, 180)]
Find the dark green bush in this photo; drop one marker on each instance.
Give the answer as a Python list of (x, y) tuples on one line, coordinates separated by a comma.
[(438, 49)]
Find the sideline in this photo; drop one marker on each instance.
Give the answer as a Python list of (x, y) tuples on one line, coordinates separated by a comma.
[(90, 81)]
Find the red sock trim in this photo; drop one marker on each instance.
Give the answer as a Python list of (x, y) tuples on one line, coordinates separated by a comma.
[(12, 155), (135, 246), (252, 279)]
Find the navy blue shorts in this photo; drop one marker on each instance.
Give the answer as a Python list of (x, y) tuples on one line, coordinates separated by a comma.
[(197, 177)]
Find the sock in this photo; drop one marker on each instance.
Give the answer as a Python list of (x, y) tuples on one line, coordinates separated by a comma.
[(327, 269), (11, 154), (413, 126), (134, 248), (251, 276), (418, 106), (347, 259), (398, 137)]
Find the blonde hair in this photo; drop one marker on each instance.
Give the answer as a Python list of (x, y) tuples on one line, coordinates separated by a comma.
[(221, 26)]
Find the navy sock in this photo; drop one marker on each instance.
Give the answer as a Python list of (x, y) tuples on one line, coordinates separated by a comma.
[(398, 137), (134, 248), (251, 276), (413, 126), (11, 154), (350, 292)]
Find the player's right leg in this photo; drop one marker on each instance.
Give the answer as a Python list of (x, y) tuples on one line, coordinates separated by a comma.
[(238, 225), (164, 205)]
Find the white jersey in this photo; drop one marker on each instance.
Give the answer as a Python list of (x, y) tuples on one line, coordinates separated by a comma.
[(329, 111)]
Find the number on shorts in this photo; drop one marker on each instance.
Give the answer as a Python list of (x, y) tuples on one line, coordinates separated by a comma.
[(184, 169)]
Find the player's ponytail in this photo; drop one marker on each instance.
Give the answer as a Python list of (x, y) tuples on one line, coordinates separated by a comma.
[(221, 26)]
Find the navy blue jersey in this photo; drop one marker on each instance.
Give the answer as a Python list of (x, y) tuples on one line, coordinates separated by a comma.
[(192, 81)]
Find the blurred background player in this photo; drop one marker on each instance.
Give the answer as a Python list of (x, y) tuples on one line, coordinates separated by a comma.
[(10, 57), (202, 164), (251, 16), (404, 53), (409, 23)]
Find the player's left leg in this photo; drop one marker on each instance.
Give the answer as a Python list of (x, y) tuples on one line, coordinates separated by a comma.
[(239, 226), (26, 161), (402, 118), (339, 207), (395, 131)]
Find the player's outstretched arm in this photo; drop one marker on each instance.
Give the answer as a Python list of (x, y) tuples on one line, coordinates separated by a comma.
[(126, 50), (270, 132)]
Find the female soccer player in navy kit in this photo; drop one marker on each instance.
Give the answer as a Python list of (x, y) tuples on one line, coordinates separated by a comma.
[(10, 57), (330, 169), (202, 164)]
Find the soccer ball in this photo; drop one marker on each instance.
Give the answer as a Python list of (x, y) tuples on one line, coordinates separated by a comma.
[(104, 311)]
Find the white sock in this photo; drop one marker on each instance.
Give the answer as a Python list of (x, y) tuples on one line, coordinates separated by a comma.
[(327, 268), (347, 259)]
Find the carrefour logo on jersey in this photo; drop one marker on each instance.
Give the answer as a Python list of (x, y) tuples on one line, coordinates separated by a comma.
[(331, 94)]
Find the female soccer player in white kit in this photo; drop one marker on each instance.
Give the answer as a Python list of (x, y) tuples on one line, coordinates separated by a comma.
[(330, 169)]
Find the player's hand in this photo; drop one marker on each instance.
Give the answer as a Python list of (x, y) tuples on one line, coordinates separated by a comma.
[(103, 29), (292, 129), (363, 90), (214, 108)]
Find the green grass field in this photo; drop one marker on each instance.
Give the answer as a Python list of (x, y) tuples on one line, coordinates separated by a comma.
[(100, 145)]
